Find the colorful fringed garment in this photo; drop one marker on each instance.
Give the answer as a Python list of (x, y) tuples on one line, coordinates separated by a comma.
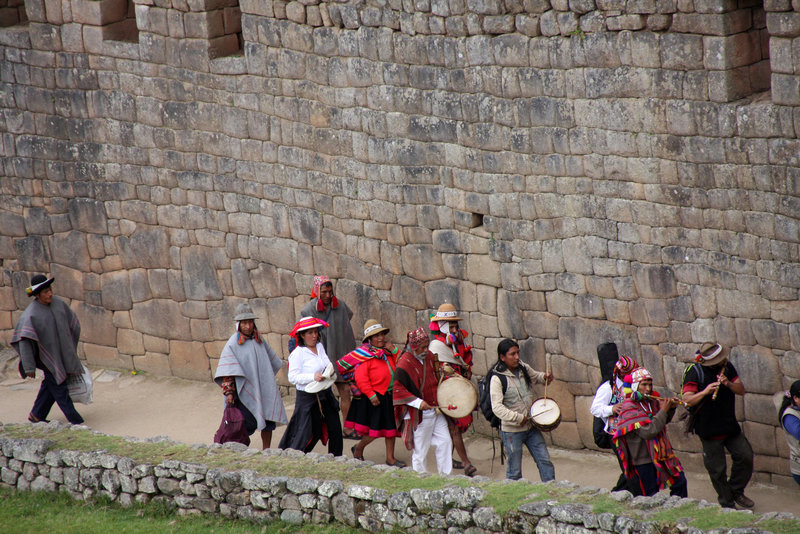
[(634, 415)]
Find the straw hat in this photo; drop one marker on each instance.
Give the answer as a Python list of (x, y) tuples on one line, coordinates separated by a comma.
[(446, 312), (710, 354), (244, 312), (328, 378), (373, 327)]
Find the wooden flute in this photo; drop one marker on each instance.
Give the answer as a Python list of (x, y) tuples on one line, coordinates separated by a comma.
[(658, 398), (720, 377)]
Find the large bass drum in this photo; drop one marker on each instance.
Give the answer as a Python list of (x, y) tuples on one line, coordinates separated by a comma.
[(545, 414), (457, 396)]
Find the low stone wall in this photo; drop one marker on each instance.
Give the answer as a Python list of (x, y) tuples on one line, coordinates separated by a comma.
[(192, 488)]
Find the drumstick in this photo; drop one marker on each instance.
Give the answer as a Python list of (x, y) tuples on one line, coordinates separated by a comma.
[(546, 371)]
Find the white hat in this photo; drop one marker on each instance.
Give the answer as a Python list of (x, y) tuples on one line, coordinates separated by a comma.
[(328, 378)]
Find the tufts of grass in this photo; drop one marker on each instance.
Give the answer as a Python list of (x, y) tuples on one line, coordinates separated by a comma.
[(36, 512)]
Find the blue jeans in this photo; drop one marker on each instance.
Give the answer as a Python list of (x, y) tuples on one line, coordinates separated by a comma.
[(533, 439)]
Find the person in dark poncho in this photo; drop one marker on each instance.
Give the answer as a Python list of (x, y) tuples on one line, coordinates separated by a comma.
[(46, 338)]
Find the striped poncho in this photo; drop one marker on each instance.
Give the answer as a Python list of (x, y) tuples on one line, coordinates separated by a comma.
[(638, 414)]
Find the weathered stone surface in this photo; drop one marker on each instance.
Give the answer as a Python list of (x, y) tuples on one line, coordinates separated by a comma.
[(580, 338), (116, 292), (199, 275), (160, 318), (654, 281), (146, 247)]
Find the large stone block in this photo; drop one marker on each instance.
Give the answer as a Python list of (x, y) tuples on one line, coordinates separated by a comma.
[(408, 292), (422, 262), (106, 357), (281, 314), (70, 249), (681, 51), (130, 342), (160, 318), (509, 316), (189, 360), (96, 324), (567, 435), (200, 280), (654, 281), (758, 369), (579, 338), (32, 254), (68, 282), (459, 294), (116, 290), (147, 247)]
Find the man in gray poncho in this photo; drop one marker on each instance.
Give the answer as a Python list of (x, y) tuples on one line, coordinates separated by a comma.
[(46, 337), (338, 339), (246, 373)]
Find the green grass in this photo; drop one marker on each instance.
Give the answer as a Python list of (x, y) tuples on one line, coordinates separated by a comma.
[(36, 512)]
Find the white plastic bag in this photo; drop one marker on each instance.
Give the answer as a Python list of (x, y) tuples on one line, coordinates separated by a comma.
[(80, 387)]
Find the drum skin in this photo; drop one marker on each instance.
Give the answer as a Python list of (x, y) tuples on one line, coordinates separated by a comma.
[(545, 414), (457, 396)]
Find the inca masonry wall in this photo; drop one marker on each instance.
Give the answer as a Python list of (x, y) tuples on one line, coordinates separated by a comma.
[(565, 173)]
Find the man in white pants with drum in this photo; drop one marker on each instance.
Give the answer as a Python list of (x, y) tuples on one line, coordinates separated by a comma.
[(511, 404)]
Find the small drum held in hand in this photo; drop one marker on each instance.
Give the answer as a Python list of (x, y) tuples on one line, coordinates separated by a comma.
[(545, 414), (457, 397)]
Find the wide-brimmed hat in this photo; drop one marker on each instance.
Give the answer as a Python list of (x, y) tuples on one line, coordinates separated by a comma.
[(244, 312), (372, 328), (327, 381), (38, 283), (710, 354), (307, 323), (446, 312)]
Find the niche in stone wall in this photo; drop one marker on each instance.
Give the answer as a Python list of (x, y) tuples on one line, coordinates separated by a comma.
[(223, 27), (122, 27), (12, 12)]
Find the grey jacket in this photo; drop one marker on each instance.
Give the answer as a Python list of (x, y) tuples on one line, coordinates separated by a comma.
[(512, 407)]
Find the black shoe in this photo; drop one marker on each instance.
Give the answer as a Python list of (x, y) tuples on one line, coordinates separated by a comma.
[(743, 501)]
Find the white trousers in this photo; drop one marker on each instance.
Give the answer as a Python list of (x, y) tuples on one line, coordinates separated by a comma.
[(432, 430)]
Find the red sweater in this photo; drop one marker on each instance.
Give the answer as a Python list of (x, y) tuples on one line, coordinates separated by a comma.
[(376, 375)]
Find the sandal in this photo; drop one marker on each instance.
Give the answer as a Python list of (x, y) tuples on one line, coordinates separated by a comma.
[(353, 450), (352, 434), (470, 470), (397, 463), (33, 419), (457, 465)]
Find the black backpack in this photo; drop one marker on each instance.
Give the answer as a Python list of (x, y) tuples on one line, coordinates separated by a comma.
[(485, 398)]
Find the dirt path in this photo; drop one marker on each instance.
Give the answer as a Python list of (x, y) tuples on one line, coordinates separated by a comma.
[(189, 412)]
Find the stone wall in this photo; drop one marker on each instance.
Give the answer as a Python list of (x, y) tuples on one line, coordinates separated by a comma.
[(193, 488), (565, 173)]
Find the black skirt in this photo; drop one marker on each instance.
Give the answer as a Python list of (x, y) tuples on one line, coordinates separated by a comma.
[(374, 421), (309, 425)]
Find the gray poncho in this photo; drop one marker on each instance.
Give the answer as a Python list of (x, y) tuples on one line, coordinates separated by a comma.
[(51, 333), (254, 365), (338, 339)]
